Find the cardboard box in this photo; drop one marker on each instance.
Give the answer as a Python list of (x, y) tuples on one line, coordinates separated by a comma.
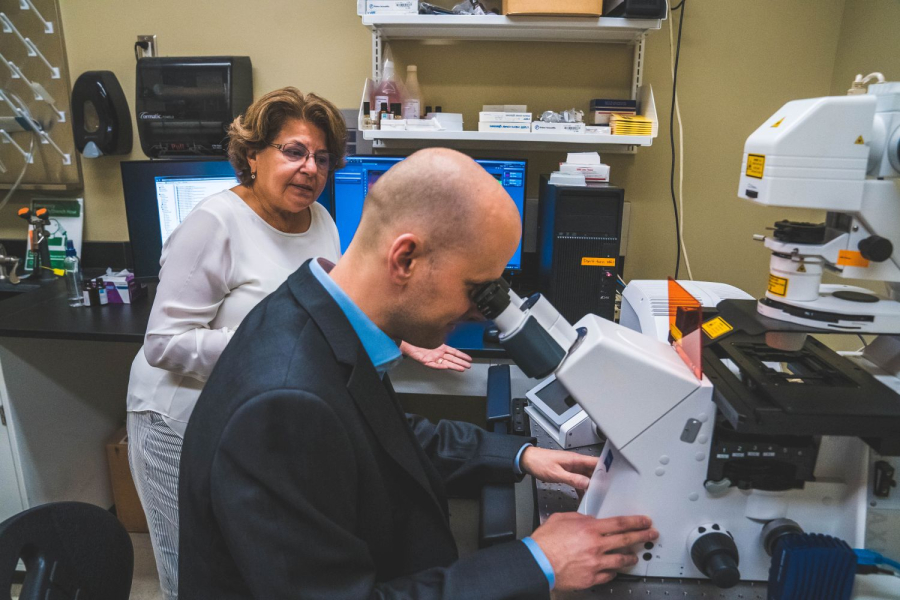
[(125, 496), (504, 117), (505, 127), (541, 127), (571, 8), (392, 7)]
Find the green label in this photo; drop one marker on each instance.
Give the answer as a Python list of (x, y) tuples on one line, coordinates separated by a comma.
[(59, 208)]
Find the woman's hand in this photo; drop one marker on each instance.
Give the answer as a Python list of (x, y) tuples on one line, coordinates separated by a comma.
[(440, 358)]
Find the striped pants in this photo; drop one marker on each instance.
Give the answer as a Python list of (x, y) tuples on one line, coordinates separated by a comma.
[(154, 453)]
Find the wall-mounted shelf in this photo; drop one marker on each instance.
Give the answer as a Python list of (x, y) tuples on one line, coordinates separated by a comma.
[(494, 140), (502, 28), (507, 29), (481, 140)]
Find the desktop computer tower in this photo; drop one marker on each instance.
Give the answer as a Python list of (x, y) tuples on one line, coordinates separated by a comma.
[(579, 236)]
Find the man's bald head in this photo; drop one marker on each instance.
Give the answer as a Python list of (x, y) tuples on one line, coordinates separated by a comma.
[(442, 196), (434, 228)]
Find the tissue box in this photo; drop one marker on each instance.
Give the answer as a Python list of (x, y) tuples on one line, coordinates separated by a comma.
[(122, 288), (577, 8)]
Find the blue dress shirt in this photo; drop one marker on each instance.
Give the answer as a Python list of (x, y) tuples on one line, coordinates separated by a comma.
[(382, 350), (385, 354)]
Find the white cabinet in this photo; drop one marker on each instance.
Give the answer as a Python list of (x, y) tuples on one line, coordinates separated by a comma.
[(62, 400)]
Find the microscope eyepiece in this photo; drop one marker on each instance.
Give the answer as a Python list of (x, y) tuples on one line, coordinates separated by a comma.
[(492, 298)]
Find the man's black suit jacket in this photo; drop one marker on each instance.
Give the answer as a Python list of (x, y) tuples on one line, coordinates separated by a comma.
[(302, 478)]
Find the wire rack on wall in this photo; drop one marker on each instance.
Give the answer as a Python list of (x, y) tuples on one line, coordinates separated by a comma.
[(35, 112)]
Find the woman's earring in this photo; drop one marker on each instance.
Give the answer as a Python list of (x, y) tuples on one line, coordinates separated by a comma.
[(252, 175)]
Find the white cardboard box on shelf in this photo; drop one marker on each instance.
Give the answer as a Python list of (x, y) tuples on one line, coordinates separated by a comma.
[(542, 127), (448, 121), (505, 127), (515, 108), (504, 117), (393, 124), (392, 7)]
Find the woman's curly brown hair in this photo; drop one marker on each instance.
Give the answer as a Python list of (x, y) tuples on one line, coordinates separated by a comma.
[(262, 122)]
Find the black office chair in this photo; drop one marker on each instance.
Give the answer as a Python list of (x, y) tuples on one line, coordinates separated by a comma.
[(71, 551)]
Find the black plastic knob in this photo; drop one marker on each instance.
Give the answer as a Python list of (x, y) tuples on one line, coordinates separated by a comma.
[(876, 248), (716, 555)]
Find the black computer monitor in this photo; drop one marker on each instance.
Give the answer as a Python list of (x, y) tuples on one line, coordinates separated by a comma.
[(159, 194), (351, 185)]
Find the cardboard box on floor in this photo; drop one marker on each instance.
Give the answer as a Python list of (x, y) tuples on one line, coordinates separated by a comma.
[(576, 8), (128, 505)]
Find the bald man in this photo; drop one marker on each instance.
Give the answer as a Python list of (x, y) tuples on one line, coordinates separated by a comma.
[(301, 477)]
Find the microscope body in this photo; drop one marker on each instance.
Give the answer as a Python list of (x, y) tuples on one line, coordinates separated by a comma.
[(659, 421)]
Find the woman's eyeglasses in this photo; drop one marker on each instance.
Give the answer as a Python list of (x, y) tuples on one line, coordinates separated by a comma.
[(296, 152)]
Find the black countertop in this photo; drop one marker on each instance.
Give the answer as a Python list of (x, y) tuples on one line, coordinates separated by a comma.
[(45, 313)]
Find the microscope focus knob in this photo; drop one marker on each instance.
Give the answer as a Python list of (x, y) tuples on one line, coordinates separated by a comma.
[(716, 555), (876, 248)]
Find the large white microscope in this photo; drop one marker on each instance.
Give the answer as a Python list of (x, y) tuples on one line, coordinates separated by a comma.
[(770, 431)]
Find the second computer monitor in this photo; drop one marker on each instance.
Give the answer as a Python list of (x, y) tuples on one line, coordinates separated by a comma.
[(352, 184)]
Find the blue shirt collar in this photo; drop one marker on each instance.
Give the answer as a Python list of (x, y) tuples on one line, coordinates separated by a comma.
[(381, 349)]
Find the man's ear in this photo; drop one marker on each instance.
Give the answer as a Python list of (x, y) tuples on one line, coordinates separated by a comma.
[(404, 257)]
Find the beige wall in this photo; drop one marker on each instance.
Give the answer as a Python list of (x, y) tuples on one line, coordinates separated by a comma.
[(870, 41), (740, 62)]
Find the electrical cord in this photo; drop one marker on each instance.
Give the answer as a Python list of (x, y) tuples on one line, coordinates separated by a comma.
[(678, 244), (684, 252)]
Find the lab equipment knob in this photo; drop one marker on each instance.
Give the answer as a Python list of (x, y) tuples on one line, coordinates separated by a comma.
[(715, 554), (876, 248)]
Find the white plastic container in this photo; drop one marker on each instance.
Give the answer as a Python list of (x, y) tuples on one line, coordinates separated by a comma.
[(412, 105)]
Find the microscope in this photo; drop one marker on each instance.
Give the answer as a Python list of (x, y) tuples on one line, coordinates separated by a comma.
[(732, 436)]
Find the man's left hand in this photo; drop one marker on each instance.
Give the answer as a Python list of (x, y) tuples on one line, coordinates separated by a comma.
[(440, 358), (559, 466)]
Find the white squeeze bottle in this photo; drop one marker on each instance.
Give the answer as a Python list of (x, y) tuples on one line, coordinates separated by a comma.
[(388, 91), (412, 106)]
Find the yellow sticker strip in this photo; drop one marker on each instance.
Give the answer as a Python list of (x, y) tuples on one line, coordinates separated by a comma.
[(778, 285), (716, 328), (590, 261), (676, 333), (756, 165), (851, 258)]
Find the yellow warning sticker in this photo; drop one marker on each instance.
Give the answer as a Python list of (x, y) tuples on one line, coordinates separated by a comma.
[(778, 285), (860, 141), (716, 328), (756, 164), (591, 261), (851, 258), (801, 268), (777, 123)]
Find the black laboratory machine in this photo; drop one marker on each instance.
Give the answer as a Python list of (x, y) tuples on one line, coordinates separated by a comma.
[(184, 105)]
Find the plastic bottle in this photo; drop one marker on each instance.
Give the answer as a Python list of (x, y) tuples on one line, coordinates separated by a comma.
[(74, 283), (101, 290), (389, 90), (412, 105)]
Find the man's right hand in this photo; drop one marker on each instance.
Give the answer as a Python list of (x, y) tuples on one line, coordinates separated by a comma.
[(585, 551)]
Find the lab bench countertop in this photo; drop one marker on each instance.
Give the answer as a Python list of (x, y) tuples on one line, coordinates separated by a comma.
[(45, 313)]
